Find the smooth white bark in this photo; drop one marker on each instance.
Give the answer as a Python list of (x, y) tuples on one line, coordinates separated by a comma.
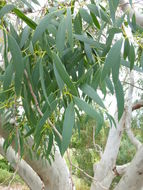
[(103, 171), (24, 170), (133, 178), (126, 7)]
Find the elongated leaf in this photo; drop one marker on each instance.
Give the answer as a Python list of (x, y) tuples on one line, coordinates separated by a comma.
[(92, 94), (8, 76), (42, 81), (68, 124), (17, 62), (78, 24), (87, 40), (25, 36), (141, 60), (89, 110), (109, 85), (43, 25), (95, 20), (131, 56), (120, 98), (112, 59), (85, 15), (27, 4), (98, 12), (27, 20), (63, 73), (69, 27), (60, 37), (126, 48), (6, 9), (113, 4), (116, 66), (58, 79)]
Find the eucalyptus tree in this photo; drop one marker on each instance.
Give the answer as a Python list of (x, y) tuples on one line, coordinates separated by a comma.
[(52, 71)]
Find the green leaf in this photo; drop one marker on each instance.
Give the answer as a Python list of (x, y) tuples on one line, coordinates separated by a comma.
[(43, 25), (42, 81), (99, 12), (141, 60), (126, 48), (6, 9), (87, 40), (8, 76), (95, 20), (89, 110), (69, 27), (116, 66), (69, 119), (112, 60), (78, 24), (113, 4), (27, 20), (120, 98), (131, 56), (24, 36), (88, 90), (17, 62), (27, 4), (85, 15), (63, 73), (60, 37), (58, 79), (109, 85)]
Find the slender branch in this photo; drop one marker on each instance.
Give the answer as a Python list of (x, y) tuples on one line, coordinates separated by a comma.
[(137, 105), (37, 105), (86, 174)]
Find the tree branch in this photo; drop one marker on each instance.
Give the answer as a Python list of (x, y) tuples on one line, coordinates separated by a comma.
[(38, 107)]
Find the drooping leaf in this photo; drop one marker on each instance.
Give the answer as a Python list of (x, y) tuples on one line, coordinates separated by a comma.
[(63, 73), (113, 4), (41, 71), (68, 124), (89, 110), (78, 24), (58, 79), (85, 15), (43, 25), (92, 94), (112, 60), (60, 36), (99, 12), (141, 60), (24, 36), (126, 48), (6, 9), (88, 40), (120, 98), (69, 27), (8, 76), (17, 62), (131, 56)]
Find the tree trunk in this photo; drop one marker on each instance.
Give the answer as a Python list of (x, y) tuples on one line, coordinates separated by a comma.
[(133, 178)]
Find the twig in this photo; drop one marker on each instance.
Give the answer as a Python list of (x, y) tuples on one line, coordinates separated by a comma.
[(37, 104), (68, 157), (86, 174)]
